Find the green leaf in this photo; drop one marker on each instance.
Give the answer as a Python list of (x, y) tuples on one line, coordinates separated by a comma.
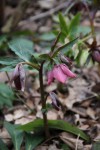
[(6, 95), (10, 61), (64, 48), (16, 135), (73, 28), (82, 57), (54, 124), (96, 146), (84, 30), (45, 57), (63, 24), (65, 147), (7, 68), (47, 36), (22, 47), (33, 140), (3, 39), (23, 33), (3, 145)]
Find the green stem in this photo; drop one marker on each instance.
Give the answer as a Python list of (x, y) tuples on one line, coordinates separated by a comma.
[(31, 64), (43, 101), (91, 24)]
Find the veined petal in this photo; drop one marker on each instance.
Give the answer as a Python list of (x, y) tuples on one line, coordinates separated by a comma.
[(59, 75), (66, 71), (50, 76)]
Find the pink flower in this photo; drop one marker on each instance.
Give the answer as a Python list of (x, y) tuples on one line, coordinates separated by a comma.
[(61, 73)]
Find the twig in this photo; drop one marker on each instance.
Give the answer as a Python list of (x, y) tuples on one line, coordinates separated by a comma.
[(50, 12), (76, 147), (16, 17), (20, 99), (8, 78)]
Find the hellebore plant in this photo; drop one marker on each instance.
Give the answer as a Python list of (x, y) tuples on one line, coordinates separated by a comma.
[(59, 71)]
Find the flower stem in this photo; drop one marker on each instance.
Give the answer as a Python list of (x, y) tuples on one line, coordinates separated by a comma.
[(43, 101)]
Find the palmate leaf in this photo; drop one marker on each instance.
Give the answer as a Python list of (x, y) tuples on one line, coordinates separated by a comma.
[(6, 95), (8, 61), (33, 140), (22, 47), (54, 124), (16, 135)]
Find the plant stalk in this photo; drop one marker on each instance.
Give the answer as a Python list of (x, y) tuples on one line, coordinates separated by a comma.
[(43, 101)]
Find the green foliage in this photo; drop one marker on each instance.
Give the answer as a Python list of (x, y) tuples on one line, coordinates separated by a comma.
[(33, 140), (3, 39), (54, 124), (22, 47), (16, 135), (82, 57), (85, 30), (65, 47), (96, 146), (69, 30), (6, 95), (73, 27), (7, 69), (47, 37), (45, 57), (9, 61), (63, 24), (3, 145), (65, 147)]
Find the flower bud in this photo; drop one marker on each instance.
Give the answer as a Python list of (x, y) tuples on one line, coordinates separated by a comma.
[(19, 77), (65, 60), (55, 101), (96, 56)]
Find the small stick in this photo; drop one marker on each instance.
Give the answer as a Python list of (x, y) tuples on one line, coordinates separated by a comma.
[(76, 147), (50, 12)]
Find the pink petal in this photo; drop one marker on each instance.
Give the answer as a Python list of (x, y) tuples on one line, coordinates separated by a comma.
[(66, 71), (59, 75), (50, 76)]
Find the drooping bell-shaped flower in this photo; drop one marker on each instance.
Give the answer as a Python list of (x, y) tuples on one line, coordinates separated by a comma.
[(61, 73), (96, 56), (19, 77)]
